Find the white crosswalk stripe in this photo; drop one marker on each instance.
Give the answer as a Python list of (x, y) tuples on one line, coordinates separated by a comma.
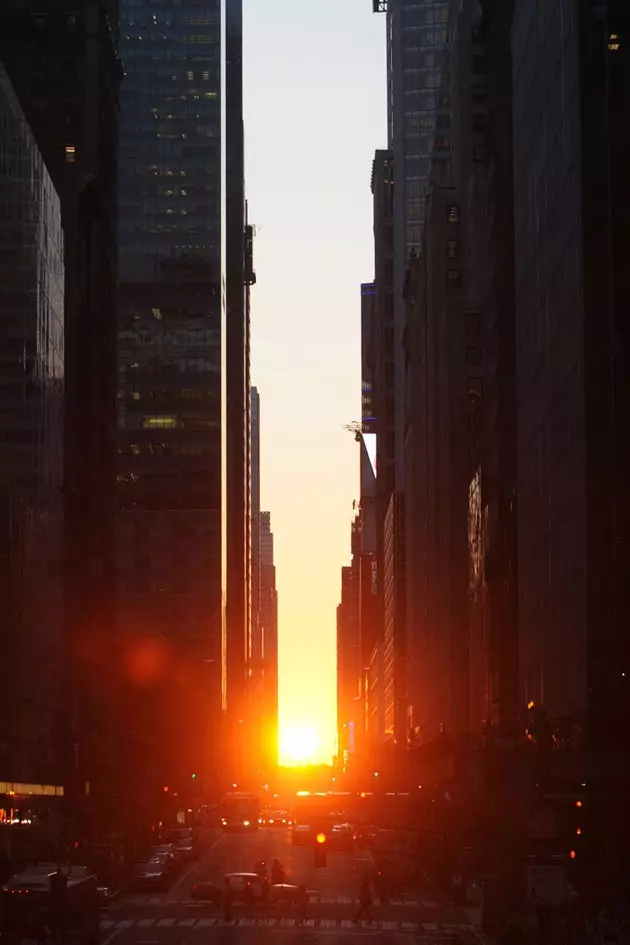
[(431, 933)]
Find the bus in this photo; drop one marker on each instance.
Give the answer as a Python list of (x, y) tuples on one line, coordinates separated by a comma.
[(240, 811)]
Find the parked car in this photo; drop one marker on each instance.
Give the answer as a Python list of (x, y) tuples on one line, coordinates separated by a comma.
[(168, 852), (284, 892), (302, 833), (341, 837), (150, 874), (186, 849), (207, 891)]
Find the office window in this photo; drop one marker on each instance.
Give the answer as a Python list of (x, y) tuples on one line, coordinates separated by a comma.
[(452, 213), (452, 249), (473, 326), (453, 278), (473, 356)]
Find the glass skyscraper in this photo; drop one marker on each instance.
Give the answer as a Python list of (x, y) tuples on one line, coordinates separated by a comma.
[(172, 363), (31, 454)]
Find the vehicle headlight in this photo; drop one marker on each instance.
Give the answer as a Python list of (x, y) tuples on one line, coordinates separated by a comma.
[(246, 823)]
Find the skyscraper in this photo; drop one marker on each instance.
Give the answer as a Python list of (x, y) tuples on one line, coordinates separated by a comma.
[(181, 416), (571, 193), (64, 68), (269, 636), (419, 141), (32, 669)]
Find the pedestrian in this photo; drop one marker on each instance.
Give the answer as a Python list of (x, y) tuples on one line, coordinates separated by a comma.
[(302, 902), (365, 901), (58, 904), (248, 898), (227, 904)]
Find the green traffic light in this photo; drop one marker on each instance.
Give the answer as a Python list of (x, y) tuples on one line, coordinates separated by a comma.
[(194, 776)]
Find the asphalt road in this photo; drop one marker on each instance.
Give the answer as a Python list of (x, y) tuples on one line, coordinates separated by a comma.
[(173, 918)]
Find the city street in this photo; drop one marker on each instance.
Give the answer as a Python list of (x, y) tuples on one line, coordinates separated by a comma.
[(173, 918)]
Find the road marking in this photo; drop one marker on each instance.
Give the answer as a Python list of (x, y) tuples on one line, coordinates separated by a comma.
[(328, 901), (246, 922), (205, 923), (429, 905), (287, 923), (186, 923), (389, 926), (347, 924), (313, 898), (430, 926), (191, 869), (124, 924), (145, 923), (309, 923), (409, 926), (344, 901), (107, 924), (328, 923), (165, 923)]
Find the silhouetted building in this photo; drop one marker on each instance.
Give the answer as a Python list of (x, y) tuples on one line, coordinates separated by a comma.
[(481, 95), (269, 639), (394, 617), (440, 358), (572, 281), (64, 68), (256, 632), (32, 668), (173, 338), (349, 664), (419, 142), (240, 277)]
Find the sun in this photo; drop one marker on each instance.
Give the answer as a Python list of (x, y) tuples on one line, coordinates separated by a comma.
[(298, 745)]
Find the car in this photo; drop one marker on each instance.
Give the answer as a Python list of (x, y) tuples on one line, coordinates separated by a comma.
[(276, 818), (186, 849), (150, 874), (237, 883), (168, 852), (284, 892), (301, 833), (341, 837), (207, 891)]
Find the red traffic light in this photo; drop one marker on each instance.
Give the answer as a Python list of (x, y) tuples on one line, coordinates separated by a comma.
[(165, 789), (320, 838)]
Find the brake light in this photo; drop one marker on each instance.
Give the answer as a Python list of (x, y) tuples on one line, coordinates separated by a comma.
[(195, 887)]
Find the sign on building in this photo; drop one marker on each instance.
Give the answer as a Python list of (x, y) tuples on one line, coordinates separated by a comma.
[(545, 885)]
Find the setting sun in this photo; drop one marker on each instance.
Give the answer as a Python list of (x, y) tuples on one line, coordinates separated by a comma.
[(298, 746)]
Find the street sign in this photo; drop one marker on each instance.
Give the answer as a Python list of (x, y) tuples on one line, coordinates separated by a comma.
[(545, 885)]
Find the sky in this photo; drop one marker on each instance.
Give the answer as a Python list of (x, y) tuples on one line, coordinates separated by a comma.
[(315, 111)]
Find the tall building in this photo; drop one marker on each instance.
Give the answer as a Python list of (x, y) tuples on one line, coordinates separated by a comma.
[(66, 74), (419, 141), (572, 288), (182, 295), (256, 631), (240, 277), (269, 639), (32, 669), (349, 665), (441, 356), (481, 84)]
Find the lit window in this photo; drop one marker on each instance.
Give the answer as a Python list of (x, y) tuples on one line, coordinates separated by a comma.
[(452, 213), (135, 395), (70, 154), (613, 43), (454, 277), (160, 422)]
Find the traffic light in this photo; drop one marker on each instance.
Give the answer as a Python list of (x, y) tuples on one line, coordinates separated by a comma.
[(321, 843), (194, 776)]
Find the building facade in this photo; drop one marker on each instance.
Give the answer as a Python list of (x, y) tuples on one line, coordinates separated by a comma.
[(269, 641), (349, 663), (66, 74), (172, 525), (33, 666), (571, 193)]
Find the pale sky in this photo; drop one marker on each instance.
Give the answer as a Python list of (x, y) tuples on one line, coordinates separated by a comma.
[(315, 111)]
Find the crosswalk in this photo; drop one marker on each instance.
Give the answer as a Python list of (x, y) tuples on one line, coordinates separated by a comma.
[(438, 934), (138, 901)]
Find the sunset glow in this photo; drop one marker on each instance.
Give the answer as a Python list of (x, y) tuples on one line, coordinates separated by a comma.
[(299, 746)]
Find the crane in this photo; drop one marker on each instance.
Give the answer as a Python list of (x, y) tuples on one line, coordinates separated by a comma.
[(356, 428)]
